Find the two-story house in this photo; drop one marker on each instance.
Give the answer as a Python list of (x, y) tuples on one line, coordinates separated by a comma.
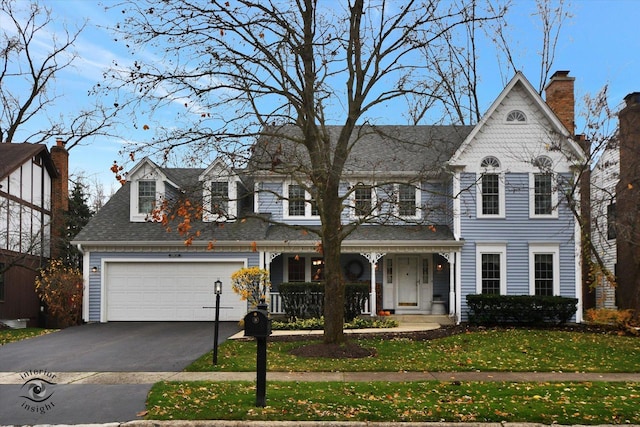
[(33, 197), (438, 212)]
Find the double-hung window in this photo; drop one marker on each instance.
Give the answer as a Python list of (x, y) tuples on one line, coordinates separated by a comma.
[(407, 200), (491, 269), (544, 269), (362, 200), (490, 194), (611, 221), (146, 196), (219, 198), (491, 202), (296, 269), (298, 202), (543, 196), (296, 199)]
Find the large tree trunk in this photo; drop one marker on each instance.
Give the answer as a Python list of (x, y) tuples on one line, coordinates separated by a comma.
[(334, 284)]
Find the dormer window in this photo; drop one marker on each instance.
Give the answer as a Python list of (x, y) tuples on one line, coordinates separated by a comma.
[(147, 192), (219, 192), (516, 116), (220, 198), (146, 196)]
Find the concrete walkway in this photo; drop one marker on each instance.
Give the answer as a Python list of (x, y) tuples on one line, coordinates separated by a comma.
[(130, 378), (121, 378)]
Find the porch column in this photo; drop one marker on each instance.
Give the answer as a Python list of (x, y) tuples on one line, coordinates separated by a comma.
[(373, 258), (450, 257), (452, 281), (268, 259)]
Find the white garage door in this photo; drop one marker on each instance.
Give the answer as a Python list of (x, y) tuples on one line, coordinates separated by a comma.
[(169, 291)]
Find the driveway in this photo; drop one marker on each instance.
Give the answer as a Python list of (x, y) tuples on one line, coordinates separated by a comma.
[(104, 347)]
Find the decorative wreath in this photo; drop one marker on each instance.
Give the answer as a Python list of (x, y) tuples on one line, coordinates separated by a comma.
[(354, 269)]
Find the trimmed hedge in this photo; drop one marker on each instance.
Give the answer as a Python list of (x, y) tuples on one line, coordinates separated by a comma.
[(520, 309), (305, 300)]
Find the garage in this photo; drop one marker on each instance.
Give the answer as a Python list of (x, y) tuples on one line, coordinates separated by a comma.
[(170, 291)]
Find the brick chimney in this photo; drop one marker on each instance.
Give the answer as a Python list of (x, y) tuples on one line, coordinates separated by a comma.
[(59, 195), (627, 205), (560, 98)]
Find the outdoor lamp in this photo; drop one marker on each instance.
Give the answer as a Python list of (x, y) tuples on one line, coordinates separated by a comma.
[(218, 287)]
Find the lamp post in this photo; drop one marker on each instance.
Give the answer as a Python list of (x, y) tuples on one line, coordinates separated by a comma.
[(218, 290)]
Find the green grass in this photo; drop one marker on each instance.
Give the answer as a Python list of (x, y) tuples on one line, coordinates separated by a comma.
[(489, 350), (11, 335), (548, 403)]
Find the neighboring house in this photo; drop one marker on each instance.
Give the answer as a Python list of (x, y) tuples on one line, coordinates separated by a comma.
[(627, 225), (604, 178), (33, 193), (476, 209)]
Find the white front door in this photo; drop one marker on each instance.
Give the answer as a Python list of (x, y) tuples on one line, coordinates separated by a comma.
[(408, 282)]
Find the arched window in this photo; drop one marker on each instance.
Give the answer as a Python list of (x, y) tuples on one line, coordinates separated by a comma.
[(544, 163), (490, 162), (516, 116)]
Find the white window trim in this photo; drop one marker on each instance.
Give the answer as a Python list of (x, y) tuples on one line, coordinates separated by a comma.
[(232, 201), (501, 195), (134, 215), (544, 248), (492, 248), (352, 199), (307, 205), (532, 195), (418, 201), (307, 266)]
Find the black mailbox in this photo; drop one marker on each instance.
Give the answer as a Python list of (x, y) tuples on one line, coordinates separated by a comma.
[(257, 324)]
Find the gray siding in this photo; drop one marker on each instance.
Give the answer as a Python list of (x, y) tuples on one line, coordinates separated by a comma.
[(517, 231)]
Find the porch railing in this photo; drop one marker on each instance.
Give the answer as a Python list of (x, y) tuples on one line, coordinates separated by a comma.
[(275, 304)]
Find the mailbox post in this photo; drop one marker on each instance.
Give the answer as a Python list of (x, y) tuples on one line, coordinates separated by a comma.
[(218, 290), (258, 324)]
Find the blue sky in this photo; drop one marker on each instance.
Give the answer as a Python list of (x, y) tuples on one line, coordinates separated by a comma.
[(600, 45)]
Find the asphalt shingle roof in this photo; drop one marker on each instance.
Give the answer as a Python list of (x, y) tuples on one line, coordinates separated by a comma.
[(382, 149), (376, 148)]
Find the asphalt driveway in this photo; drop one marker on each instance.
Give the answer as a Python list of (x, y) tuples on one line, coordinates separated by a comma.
[(115, 346), (107, 347)]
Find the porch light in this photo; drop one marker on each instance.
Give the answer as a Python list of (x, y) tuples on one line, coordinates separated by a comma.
[(439, 267), (95, 269)]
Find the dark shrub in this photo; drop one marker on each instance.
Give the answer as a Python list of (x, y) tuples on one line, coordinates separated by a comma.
[(520, 309)]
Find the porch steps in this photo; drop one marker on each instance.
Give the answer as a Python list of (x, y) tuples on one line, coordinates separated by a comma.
[(404, 319)]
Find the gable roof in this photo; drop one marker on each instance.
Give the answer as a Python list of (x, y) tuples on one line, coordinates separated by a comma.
[(520, 79), (161, 171), (14, 155)]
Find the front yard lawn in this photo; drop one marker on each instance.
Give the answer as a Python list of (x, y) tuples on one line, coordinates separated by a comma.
[(484, 350), (11, 335), (548, 403), (577, 403)]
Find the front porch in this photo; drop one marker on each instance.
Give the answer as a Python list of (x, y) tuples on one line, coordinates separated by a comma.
[(415, 287), (275, 307)]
